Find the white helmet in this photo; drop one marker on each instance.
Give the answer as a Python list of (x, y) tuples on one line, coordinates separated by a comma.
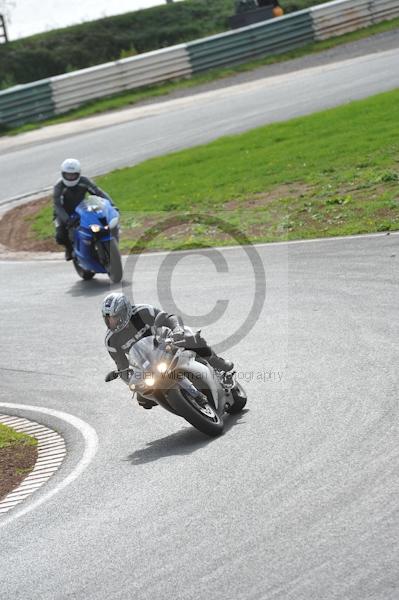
[(70, 172)]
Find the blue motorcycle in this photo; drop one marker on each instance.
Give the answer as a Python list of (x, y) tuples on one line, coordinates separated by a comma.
[(95, 239)]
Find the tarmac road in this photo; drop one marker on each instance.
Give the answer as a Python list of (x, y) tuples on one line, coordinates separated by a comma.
[(297, 500), (30, 162)]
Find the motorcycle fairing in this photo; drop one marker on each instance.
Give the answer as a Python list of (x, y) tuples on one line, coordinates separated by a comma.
[(93, 211)]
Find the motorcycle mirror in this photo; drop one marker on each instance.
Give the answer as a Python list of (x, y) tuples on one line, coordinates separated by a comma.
[(111, 376)]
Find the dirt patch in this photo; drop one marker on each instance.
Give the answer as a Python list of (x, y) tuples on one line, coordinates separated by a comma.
[(16, 225), (293, 190), (267, 216), (182, 231), (16, 229), (16, 462)]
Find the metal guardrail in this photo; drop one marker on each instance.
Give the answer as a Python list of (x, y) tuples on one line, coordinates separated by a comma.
[(384, 10), (341, 16), (24, 103), (73, 89), (43, 99), (271, 37)]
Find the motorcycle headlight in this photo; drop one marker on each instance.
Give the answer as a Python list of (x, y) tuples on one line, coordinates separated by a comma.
[(114, 222), (162, 367), (149, 381), (95, 228)]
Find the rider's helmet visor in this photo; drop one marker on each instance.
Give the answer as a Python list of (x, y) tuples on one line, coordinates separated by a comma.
[(70, 176), (111, 322)]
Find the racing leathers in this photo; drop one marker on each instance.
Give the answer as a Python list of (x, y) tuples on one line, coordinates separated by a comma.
[(65, 201), (141, 324)]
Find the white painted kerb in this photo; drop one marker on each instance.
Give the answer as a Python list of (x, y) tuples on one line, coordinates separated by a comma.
[(51, 452), (90, 438)]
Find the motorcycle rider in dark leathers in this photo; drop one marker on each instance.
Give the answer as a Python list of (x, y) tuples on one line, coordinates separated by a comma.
[(68, 193), (128, 323)]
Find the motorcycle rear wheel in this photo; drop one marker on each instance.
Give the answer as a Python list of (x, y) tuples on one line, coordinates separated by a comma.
[(205, 420)]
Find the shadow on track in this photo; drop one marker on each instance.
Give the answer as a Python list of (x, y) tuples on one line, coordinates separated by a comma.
[(94, 287), (182, 442)]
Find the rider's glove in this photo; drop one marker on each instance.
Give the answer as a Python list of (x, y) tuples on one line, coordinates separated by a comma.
[(111, 376), (73, 220)]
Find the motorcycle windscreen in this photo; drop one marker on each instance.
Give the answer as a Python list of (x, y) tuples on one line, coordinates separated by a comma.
[(149, 363), (93, 204), (145, 355)]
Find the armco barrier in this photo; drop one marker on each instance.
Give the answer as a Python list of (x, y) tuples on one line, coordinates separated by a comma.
[(383, 10), (271, 37), (76, 88), (73, 89), (341, 16), (43, 99), (26, 103)]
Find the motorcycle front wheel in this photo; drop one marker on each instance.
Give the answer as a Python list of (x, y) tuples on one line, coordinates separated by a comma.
[(205, 419), (114, 264), (86, 275)]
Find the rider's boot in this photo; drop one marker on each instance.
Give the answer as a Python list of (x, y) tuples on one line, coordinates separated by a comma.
[(68, 252), (219, 363)]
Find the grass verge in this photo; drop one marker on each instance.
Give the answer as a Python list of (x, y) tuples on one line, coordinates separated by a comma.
[(18, 454), (331, 173), (133, 97), (9, 437)]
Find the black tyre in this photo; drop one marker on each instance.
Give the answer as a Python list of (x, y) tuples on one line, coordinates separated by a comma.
[(240, 400), (86, 275), (114, 266), (205, 419)]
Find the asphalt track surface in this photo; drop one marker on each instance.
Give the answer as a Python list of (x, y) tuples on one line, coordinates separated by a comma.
[(297, 500), (31, 162)]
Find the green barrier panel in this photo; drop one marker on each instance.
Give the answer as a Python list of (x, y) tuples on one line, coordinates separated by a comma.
[(26, 103), (271, 37)]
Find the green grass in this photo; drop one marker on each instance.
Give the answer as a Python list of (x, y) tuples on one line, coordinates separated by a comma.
[(9, 437), (331, 173), (133, 97)]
